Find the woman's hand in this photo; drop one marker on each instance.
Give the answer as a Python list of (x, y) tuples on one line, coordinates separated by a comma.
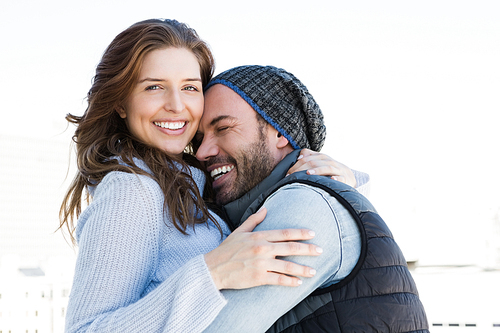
[(247, 259), (320, 164)]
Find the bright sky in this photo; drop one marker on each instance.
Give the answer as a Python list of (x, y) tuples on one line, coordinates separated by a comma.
[(410, 90)]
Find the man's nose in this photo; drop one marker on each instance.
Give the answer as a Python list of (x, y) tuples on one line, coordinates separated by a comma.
[(207, 149)]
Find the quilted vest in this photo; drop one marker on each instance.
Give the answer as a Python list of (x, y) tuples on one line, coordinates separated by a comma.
[(379, 295)]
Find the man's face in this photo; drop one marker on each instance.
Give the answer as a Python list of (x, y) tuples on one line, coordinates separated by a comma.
[(235, 144)]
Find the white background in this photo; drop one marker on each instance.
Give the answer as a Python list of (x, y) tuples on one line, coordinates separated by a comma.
[(409, 89)]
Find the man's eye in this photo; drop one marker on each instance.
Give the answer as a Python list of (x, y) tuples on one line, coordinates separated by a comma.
[(222, 129)]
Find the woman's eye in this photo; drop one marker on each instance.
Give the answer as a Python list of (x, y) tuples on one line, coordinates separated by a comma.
[(155, 87), (191, 88)]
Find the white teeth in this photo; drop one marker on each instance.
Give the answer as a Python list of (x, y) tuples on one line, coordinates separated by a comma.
[(219, 172), (172, 126)]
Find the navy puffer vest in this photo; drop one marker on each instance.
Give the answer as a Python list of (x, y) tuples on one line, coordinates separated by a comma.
[(379, 295)]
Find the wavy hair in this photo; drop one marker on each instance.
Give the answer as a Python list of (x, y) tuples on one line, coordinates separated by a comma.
[(101, 135)]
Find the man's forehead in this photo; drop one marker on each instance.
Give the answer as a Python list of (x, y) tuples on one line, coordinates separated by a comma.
[(221, 99)]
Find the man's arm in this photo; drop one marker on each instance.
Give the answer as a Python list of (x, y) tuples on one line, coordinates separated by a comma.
[(295, 206)]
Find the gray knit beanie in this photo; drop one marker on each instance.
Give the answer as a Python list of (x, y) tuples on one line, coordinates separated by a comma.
[(281, 99)]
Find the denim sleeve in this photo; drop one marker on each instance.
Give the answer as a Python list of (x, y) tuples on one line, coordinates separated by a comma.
[(295, 206)]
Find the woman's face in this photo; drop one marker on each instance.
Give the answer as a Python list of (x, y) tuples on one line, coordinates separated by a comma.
[(166, 104)]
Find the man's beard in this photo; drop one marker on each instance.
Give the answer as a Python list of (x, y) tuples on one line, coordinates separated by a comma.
[(253, 164)]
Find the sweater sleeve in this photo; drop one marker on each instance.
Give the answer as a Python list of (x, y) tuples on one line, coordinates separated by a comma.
[(363, 184), (119, 239)]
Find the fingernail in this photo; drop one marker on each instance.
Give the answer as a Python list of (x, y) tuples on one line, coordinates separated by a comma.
[(312, 271), (299, 282), (312, 233), (287, 175), (319, 250), (298, 158), (311, 172), (334, 178)]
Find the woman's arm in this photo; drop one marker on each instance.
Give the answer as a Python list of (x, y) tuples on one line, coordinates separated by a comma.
[(119, 243)]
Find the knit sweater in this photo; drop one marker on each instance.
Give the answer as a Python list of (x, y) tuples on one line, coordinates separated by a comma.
[(135, 271)]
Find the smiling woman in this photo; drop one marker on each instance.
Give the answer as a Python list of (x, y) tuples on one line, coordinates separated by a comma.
[(142, 240), (165, 107)]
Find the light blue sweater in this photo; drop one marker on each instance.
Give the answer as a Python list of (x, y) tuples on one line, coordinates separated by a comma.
[(135, 271)]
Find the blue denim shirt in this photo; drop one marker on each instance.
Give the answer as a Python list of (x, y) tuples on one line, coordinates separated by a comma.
[(302, 206)]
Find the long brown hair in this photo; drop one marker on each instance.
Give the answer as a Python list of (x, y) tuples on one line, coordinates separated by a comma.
[(101, 135)]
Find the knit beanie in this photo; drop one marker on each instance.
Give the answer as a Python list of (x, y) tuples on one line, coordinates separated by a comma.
[(281, 99)]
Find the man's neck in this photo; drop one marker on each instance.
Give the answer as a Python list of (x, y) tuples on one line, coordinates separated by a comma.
[(236, 209)]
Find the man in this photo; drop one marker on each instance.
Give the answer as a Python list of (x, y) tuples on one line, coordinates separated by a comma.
[(255, 121)]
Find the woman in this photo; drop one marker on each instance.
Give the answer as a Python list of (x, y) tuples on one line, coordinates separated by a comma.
[(143, 238)]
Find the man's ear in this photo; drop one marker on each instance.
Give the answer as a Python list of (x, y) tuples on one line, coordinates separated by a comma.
[(281, 141), (121, 112)]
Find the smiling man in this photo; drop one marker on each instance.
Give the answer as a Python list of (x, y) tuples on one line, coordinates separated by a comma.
[(255, 122), (247, 159)]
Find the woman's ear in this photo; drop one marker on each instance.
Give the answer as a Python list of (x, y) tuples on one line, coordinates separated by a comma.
[(121, 112)]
